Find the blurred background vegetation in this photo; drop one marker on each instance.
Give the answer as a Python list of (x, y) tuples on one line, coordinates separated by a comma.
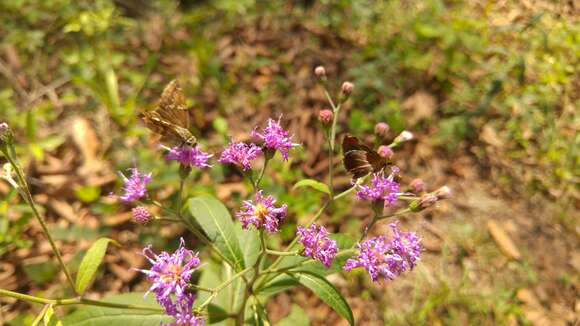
[(490, 88)]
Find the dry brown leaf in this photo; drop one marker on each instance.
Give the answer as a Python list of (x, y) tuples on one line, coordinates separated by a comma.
[(63, 209), (489, 135), (422, 104), (504, 242), (85, 138)]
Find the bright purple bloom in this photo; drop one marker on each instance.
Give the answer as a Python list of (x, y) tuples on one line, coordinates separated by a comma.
[(381, 188), (135, 186), (240, 154), (141, 215), (388, 259), (170, 273), (262, 213), (189, 156), (317, 244), (275, 138), (182, 312)]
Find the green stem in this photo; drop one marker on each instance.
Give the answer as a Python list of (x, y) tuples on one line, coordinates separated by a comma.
[(266, 160), (398, 213), (74, 301), (214, 292), (180, 196), (282, 253), (249, 288), (369, 227), (30, 201), (40, 315)]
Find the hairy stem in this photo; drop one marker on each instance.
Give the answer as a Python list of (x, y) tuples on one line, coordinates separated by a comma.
[(30, 201)]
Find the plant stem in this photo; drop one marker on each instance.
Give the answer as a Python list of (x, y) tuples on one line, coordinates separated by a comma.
[(266, 160), (398, 213), (282, 253), (30, 201), (180, 196), (74, 301), (40, 315), (369, 227), (249, 288)]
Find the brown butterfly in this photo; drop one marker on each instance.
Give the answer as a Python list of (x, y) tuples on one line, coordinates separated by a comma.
[(170, 118), (359, 159)]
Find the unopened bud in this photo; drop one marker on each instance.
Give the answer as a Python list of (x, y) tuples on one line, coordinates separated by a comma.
[(320, 72), (443, 192), (417, 185), (325, 116), (381, 129), (404, 136), (385, 152), (424, 202), (347, 88), (140, 215), (6, 135)]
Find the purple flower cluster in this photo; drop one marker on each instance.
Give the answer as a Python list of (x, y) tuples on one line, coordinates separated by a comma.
[(381, 188), (275, 138), (388, 259), (183, 313), (240, 154), (169, 275), (317, 244), (189, 156), (262, 212), (134, 187)]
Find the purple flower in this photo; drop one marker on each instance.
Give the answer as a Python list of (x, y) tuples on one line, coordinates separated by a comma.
[(182, 312), (262, 213), (170, 273), (381, 188), (189, 156), (141, 215), (240, 154), (275, 138), (317, 244), (134, 186), (388, 259)]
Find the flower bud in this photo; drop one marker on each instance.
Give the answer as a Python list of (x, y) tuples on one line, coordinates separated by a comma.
[(381, 129), (424, 202), (403, 137), (325, 116), (443, 193), (385, 152), (320, 72), (140, 215), (6, 136), (417, 185), (347, 88)]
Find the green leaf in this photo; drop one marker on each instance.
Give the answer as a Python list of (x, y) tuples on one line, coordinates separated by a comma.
[(215, 220), (297, 316), (97, 315), (316, 185), (91, 262), (326, 292)]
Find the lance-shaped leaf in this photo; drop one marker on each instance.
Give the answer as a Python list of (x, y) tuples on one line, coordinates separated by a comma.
[(217, 224), (91, 262), (326, 292)]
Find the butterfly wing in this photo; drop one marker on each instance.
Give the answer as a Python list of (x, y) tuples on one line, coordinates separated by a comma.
[(359, 159), (355, 157), (171, 117), (171, 106)]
